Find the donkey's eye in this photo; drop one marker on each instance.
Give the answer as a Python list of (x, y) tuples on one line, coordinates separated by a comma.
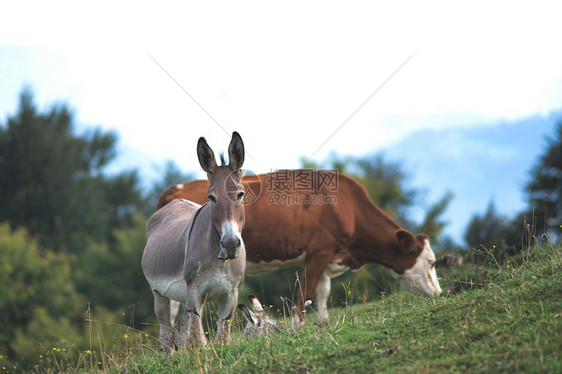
[(239, 196), (431, 263), (212, 197)]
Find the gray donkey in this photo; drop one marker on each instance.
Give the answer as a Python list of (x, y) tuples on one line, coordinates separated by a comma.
[(196, 253)]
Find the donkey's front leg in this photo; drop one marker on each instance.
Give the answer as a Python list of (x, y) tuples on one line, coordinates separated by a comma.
[(194, 334), (226, 311), (180, 329)]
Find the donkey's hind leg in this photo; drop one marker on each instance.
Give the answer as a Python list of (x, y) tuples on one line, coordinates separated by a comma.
[(180, 326), (162, 311), (174, 309)]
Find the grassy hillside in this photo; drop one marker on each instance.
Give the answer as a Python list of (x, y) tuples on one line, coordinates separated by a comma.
[(512, 323)]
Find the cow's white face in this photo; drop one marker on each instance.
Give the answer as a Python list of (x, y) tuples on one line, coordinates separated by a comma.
[(421, 279)]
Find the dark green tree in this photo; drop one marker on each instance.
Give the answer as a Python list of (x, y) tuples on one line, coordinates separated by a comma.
[(432, 223), (52, 181), (111, 276), (545, 188), (123, 201), (493, 234), (385, 182), (34, 281), (483, 230)]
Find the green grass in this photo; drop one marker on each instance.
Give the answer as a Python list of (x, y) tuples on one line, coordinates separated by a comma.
[(510, 323)]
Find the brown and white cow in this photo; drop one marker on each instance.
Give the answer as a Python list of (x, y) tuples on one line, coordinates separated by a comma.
[(328, 226)]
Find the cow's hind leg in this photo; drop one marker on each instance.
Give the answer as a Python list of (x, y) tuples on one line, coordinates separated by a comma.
[(313, 272), (162, 311)]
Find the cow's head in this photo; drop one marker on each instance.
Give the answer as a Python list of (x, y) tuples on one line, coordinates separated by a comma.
[(421, 278)]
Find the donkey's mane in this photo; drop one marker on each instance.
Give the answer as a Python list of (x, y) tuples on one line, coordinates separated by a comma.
[(223, 161)]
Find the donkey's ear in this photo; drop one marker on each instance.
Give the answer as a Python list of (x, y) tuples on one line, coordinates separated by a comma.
[(236, 152), (256, 305), (206, 156), (250, 317)]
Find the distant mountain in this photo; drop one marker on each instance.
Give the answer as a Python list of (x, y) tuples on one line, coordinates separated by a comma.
[(478, 164)]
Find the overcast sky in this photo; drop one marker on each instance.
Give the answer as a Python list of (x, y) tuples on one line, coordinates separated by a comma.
[(294, 78)]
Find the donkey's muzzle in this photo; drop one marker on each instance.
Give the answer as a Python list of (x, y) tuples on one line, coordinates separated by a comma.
[(231, 241), (230, 248)]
